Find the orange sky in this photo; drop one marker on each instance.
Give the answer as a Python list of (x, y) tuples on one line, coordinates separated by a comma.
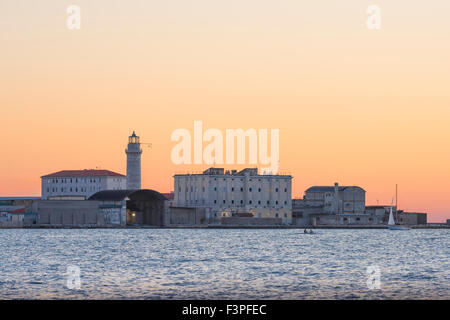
[(361, 107)]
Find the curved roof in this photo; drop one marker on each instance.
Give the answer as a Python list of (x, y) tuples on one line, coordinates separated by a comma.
[(329, 189), (119, 195)]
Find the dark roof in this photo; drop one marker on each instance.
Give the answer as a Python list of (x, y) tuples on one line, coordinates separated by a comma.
[(83, 173), (329, 188), (169, 196), (119, 195)]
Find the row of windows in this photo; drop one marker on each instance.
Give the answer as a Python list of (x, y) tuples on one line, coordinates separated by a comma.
[(224, 179), (260, 215), (250, 202), (233, 202), (72, 189), (70, 180), (225, 189)]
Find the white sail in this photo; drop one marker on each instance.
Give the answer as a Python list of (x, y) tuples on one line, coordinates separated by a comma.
[(391, 221)]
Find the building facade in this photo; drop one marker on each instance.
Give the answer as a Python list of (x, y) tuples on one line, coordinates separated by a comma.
[(411, 218), (79, 184), (133, 152), (338, 199), (233, 194), (107, 208)]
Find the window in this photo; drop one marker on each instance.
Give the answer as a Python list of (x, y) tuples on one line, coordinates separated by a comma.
[(215, 188), (259, 201), (232, 189), (242, 189), (259, 189), (250, 202), (242, 201), (285, 189), (276, 189), (250, 189), (223, 201), (276, 202), (268, 202), (232, 201), (215, 201)]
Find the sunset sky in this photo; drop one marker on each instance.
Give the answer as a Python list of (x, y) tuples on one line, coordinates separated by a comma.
[(353, 105)]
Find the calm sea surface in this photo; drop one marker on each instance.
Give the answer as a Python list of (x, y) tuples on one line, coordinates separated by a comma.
[(224, 264)]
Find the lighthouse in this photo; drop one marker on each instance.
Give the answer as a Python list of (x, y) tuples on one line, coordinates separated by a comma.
[(133, 152)]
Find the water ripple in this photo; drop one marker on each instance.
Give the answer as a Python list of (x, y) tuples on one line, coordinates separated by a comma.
[(224, 264)]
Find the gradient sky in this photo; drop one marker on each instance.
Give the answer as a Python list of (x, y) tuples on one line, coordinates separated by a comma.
[(361, 107)]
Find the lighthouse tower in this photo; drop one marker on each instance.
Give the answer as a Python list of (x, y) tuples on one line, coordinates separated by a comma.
[(133, 152)]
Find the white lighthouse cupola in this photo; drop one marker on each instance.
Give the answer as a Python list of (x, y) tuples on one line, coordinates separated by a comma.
[(133, 152)]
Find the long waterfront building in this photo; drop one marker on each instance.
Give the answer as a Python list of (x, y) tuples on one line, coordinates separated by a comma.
[(231, 193)]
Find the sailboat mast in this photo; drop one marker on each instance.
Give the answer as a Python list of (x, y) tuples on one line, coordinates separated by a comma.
[(396, 203)]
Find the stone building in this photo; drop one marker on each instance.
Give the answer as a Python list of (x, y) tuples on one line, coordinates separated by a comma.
[(338, 199), (187, 216), (235, 194), (79, 184), (68, 213), (302, 211), (333, 206), (411, 218)]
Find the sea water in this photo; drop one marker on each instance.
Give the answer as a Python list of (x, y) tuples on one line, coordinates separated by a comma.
[(224, 264)]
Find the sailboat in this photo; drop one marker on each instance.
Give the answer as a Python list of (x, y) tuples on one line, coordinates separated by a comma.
[(391, 223)]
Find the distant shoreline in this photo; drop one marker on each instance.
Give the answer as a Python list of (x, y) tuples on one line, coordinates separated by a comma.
[(229, 227)]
